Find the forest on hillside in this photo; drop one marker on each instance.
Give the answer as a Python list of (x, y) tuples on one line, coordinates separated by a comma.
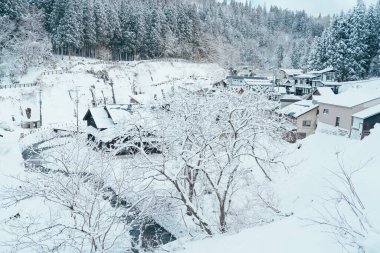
[(201, 30), (350, 44)]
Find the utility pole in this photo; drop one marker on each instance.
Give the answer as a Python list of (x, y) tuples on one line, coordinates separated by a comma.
[(113, 92), (76, 101), (77, 106), (40, 97)]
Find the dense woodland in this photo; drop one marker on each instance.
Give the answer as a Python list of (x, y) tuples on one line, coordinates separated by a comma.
[(199, 30), (350, 44)]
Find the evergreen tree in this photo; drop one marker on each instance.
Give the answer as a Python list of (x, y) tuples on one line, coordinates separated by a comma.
[(207, 29), (89, 27), (12, 8)]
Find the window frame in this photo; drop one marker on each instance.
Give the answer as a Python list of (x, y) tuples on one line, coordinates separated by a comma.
[(306, 121)]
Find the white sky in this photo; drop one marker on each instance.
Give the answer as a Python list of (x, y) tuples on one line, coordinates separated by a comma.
[(313, 6)]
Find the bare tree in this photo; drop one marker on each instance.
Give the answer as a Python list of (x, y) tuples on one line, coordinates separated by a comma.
[(83, 196), (343, 213), (209, 146)]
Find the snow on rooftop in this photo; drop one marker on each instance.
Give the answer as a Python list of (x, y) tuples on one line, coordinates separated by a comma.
[(369, 85), (351, 98), (261, 81), (371, 111), (292, 72), (322, 71), (325, 91), (299, 108), (101, 118), (291, 97), (305, 76), (120, 113)]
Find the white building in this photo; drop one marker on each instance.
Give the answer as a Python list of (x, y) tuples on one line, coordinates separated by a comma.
[(364, 121)]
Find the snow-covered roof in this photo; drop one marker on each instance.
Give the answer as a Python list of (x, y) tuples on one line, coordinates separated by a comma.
[(261, 81), (331, 83), (322, 71), (371, 84), (105, 136), (306, 76), (101, 118), (292, 72), (369, 112), (350, 98), (325, 91), (291, 97), (299, 108), (120, 113)]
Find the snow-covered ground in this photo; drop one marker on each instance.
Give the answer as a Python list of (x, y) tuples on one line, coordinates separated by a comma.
[(148, 78), (303, 192), (58, 93)]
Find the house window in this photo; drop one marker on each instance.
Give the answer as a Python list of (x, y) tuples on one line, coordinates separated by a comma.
[(337, 121), (306, 123), (325, 111)]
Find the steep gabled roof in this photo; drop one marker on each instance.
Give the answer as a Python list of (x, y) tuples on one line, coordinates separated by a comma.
[(101, 117)]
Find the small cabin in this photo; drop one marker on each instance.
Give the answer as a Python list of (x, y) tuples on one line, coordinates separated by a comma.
[(99, 118), (364, 121)]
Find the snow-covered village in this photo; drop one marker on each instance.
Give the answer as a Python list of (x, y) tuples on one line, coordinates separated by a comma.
[(189, 126)]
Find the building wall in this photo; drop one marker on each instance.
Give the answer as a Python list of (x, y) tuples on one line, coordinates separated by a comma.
[(357, 128), (345, 113), (360, 125), (312, 115)]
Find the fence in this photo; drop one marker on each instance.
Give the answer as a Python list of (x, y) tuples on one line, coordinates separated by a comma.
[(135, 63), (17, 85), (55, 72), (166, 82)]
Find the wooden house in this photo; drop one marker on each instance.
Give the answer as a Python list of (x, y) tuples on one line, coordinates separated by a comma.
[(303, 114), (112, 125)]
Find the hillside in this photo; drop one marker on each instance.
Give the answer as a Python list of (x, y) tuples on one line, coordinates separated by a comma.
[(59, 86), (208, 31)]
